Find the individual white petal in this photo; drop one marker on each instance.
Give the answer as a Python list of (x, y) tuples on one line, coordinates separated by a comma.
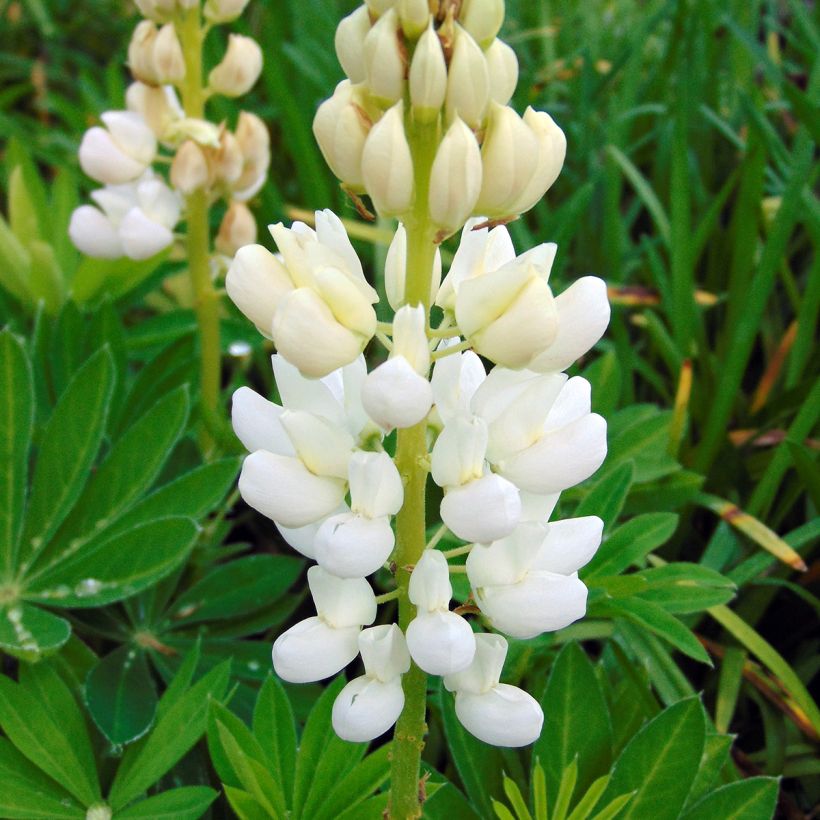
[(159, 202), (256, 422), (367, 708), (500, 391), (384, 652), (440, 643), (410, 337), (311, 650), (284, 490), (324, 448), (483, 510), (485, 670), (458, 454), (313, 395), (375, 484), (583, 316), (352, 378), (507, 560), (482, 299), (570, 544), (142, 237), (538, 508), (542, 602), (132, 135), (561, 458), (430, 588), (342, 601), (117, 200), (504, 716), (395, 395), (572, 403), (104, 161), (93, 234), (353, 546), (350, 34), (331, 232), (455, 380), (303, 539), (344, 297)]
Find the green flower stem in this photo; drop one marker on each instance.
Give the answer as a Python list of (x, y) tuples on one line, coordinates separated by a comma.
[(198, 240), (413, 465)]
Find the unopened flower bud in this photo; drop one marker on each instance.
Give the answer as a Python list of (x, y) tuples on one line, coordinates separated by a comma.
[(223, 11), (161, 11), (238, 228), (159, 107), (455, 178), (552, 149), (378, 7), (341, 128), (509, 156), (121, 151), (228, 161), (141, 53), (349, 42), (254, 141), (414, 16), (395, 270), (468, 82), (169, 63), (428, 77), (387, 165), (502, 65), (383, 59), (189, 170), (240, 67), (482, 18)]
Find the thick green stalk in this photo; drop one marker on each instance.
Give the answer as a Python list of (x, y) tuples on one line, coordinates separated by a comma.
[(206, 299), (411, 452)]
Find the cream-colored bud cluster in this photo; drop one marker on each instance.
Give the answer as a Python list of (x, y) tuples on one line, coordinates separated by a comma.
[(203, 157), (435, 63)]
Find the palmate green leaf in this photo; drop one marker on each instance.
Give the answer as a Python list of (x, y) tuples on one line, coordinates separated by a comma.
[(111, 568), (751, 799), (28, 632), (184, 803), (176, 731), (357, 785), (323, 757), (237, 588), (630, 543), (120, 695), (571, 732), (29, 793), (275, 729), (43, 738), (128, 470), (69, 445), (660, 763), (16, 422), (607, 496)]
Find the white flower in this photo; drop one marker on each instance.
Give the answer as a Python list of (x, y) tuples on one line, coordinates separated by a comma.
[(455, 380), (254, 142), (384, 65), (428, 76), (468, 81), (349, 42), (440, 642), (239, 69), (357, 542), (502, 65), (370, 704), (321, 646), (528, 583), (120, 152), (134, 220), (494, 712), (482, 18)]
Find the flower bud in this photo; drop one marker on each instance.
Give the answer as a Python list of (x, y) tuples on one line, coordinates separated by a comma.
[(161, 11), (200, 131), (383, 59), (227, 162), (502, 65), (349, 42), (428, 77), (240, 67), (141, 53), (455, 178), (387, 165), (159, 107), (508, 156), (121, 151), (341, 128), (468, 81), (169, 63), (189, 169), (238, 228), (395, 270), (254, 142), (378, 7), (414, 16), (223, 11), (482, 18)]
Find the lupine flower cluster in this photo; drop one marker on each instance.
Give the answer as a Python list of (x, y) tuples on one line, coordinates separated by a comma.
[(136, 211), (501, 444)]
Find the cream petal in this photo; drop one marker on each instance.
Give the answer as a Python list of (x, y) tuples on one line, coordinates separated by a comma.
[(324, 448), (573, 402), (257, 423), (395, 395), (569, 545), (536, 507), (507, 560), (441, 643), (384, 652), (485, 670), (454, 382), (375, 484), (504, 716), (93, 234), (104, 161), (430, 588), (132, 135), (482, 510), (311, 650), (301, 393), (367, 708), (142, 237), (458, 454), (352, 546), (341, 601)]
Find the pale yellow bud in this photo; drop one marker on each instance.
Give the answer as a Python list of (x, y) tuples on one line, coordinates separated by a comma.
[(200, 131), (161, 11), (414, 16), (508, 157), (169, 63), (410, 337), (254, 141), (502, 66), (223, 11), (455, 179), (482, 18), (189, 170), (378, 7), (341, 127), (387, 165), (468, 82), (552, 149), (384, 60), (141, 53), (349, 42), (395, 270), (237, 229), (428, 77), (240, 67), (159, 107), (228, 161)]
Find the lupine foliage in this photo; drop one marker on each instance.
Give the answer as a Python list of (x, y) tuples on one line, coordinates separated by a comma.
[(132, 575)]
